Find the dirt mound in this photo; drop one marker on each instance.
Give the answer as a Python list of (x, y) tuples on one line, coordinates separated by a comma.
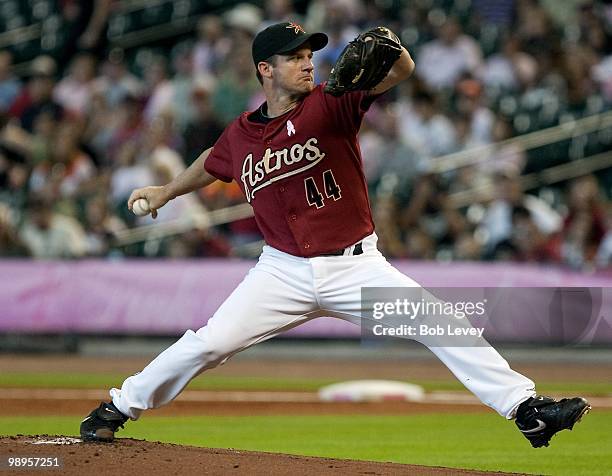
[(137, 457)]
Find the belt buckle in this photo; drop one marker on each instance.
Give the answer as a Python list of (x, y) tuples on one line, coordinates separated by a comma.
[(354, 250)]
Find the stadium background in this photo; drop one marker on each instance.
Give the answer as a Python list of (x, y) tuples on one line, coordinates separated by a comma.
[(490, 167)]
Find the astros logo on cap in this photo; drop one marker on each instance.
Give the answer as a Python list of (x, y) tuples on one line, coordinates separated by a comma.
[(297, 28)]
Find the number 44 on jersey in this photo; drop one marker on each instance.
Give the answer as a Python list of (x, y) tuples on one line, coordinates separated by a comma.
[(330, 187)]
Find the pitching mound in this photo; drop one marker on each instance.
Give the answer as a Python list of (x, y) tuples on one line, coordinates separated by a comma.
[(136, 457)]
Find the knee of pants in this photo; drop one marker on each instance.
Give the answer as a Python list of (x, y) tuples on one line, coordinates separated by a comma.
[(218, 347)]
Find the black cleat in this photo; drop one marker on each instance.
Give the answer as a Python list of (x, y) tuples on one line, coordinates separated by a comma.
[(102, 423), (539, 418)]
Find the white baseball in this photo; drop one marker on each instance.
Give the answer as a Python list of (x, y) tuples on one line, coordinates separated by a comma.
[(141, 207)]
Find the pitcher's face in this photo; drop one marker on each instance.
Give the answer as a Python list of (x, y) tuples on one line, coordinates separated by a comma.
[(294, 72)]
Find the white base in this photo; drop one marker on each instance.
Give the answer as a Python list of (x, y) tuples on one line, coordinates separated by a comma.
[(371, 391)]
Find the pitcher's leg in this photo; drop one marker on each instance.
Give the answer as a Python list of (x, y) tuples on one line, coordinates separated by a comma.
[(488, 376), (164, 378), (262, 306), (481, 369)]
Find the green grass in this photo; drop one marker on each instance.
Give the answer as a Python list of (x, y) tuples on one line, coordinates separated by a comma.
[(482, 441), (221, 382)]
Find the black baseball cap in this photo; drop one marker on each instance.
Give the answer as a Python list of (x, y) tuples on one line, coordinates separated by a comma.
[(284, 38)]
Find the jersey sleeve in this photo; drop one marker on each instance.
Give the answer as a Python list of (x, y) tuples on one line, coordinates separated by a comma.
[(348, 110), (219, 161)]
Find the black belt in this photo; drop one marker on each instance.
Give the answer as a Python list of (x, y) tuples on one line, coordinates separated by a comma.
[(357, 250)]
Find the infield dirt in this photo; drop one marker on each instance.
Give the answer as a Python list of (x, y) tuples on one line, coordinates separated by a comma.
[(136, 458)]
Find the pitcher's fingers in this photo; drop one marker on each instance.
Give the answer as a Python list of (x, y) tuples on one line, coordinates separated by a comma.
[(133, 197), (154, 213)]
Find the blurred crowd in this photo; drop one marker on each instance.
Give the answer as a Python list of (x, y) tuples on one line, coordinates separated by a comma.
[(76, 137)]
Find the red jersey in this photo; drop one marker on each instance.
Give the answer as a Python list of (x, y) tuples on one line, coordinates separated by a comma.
[(302, 173)]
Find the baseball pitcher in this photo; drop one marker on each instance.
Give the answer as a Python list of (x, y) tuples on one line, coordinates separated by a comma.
[(298, 163)]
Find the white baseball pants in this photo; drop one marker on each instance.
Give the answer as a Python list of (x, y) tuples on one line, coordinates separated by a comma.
[(283, 291)]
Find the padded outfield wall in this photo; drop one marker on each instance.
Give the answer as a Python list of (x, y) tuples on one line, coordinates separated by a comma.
[(167, 297)]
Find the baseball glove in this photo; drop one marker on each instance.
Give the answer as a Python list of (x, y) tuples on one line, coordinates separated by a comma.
[(364, 62)]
